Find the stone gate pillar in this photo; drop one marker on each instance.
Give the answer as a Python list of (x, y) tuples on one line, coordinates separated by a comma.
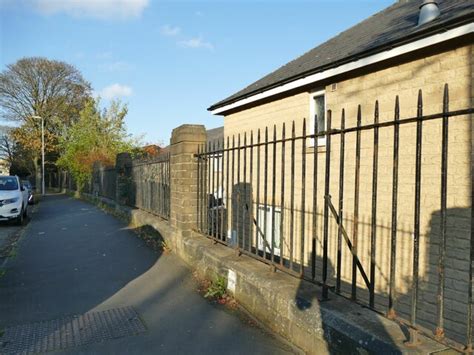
[(185, 141)]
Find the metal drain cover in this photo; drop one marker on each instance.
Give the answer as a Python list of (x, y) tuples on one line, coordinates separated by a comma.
[(71, 331)]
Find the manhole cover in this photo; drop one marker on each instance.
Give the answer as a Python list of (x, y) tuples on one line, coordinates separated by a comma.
[(71, 331)]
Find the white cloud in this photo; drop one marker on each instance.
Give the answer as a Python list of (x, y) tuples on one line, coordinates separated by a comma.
[(197, 42), (115, 91), (117, 66), (104, 55), (170, 31), (102, 9)]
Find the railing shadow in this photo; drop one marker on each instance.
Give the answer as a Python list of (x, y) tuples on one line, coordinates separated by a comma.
[(450, 327)]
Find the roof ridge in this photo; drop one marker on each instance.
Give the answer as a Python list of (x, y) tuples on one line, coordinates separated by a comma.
[(319, 45), (341, 33), (393, 25)]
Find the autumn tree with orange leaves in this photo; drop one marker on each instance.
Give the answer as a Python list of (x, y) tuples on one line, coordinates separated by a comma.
[(97, 136)]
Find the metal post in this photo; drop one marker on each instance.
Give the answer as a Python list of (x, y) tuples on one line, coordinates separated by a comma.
[(232, 197), (213, 187), (245, 216), (303, 198), (265, 195), (315, 201), (199, 190), (282, 211), (227, 193), (251, 208), (373, 234), (393, 243), (416, 232), (216, 190), (208, 190), (273, 193), (292, 193), (444, 192), (257, 236), (239, 196), (355, 229), (221, 206), (327, 181), (42, 157), (341, 203)]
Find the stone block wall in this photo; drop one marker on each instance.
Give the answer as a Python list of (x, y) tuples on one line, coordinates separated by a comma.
[(429, 73), (185, 141)]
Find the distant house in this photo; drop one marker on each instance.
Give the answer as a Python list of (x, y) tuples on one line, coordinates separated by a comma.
[(215, 134), (410, 45), (151, 150)]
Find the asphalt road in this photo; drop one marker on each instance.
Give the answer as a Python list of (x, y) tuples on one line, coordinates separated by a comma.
[(73, 259)]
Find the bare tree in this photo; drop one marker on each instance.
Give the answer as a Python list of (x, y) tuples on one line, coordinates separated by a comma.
[(7, 144), (17, 158), (53, 90)]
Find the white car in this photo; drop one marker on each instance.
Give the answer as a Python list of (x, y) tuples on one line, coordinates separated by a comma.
[(13, 199)]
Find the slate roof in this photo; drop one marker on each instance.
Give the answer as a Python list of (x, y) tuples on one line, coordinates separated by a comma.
[(393, 26), (215, 134)]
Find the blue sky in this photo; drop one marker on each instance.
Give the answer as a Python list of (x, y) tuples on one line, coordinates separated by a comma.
[(170, 60)]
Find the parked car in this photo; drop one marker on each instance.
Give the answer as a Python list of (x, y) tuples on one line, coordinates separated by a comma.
[(31, 193), (13, 199)]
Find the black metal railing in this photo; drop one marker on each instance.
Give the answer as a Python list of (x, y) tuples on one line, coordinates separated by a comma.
[(106, 180), (144, 184), (150, 185), (253, 195)]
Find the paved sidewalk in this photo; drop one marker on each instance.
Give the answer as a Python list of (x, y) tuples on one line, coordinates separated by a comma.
[(9, 234), (74, 259)]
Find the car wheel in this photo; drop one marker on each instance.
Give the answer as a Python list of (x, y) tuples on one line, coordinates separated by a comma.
[(19, 220)]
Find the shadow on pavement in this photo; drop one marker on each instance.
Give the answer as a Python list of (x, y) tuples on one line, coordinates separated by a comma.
[(77, 259)]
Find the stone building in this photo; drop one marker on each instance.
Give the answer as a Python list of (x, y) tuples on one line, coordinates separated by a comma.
[(407, 47)]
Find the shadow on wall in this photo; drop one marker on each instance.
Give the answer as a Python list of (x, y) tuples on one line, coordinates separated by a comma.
[(242, 204), (368, 330), (456, 266), (456, 271), (456, 275)]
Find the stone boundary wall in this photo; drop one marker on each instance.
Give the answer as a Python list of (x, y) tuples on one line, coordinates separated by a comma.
[(287, 305)]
